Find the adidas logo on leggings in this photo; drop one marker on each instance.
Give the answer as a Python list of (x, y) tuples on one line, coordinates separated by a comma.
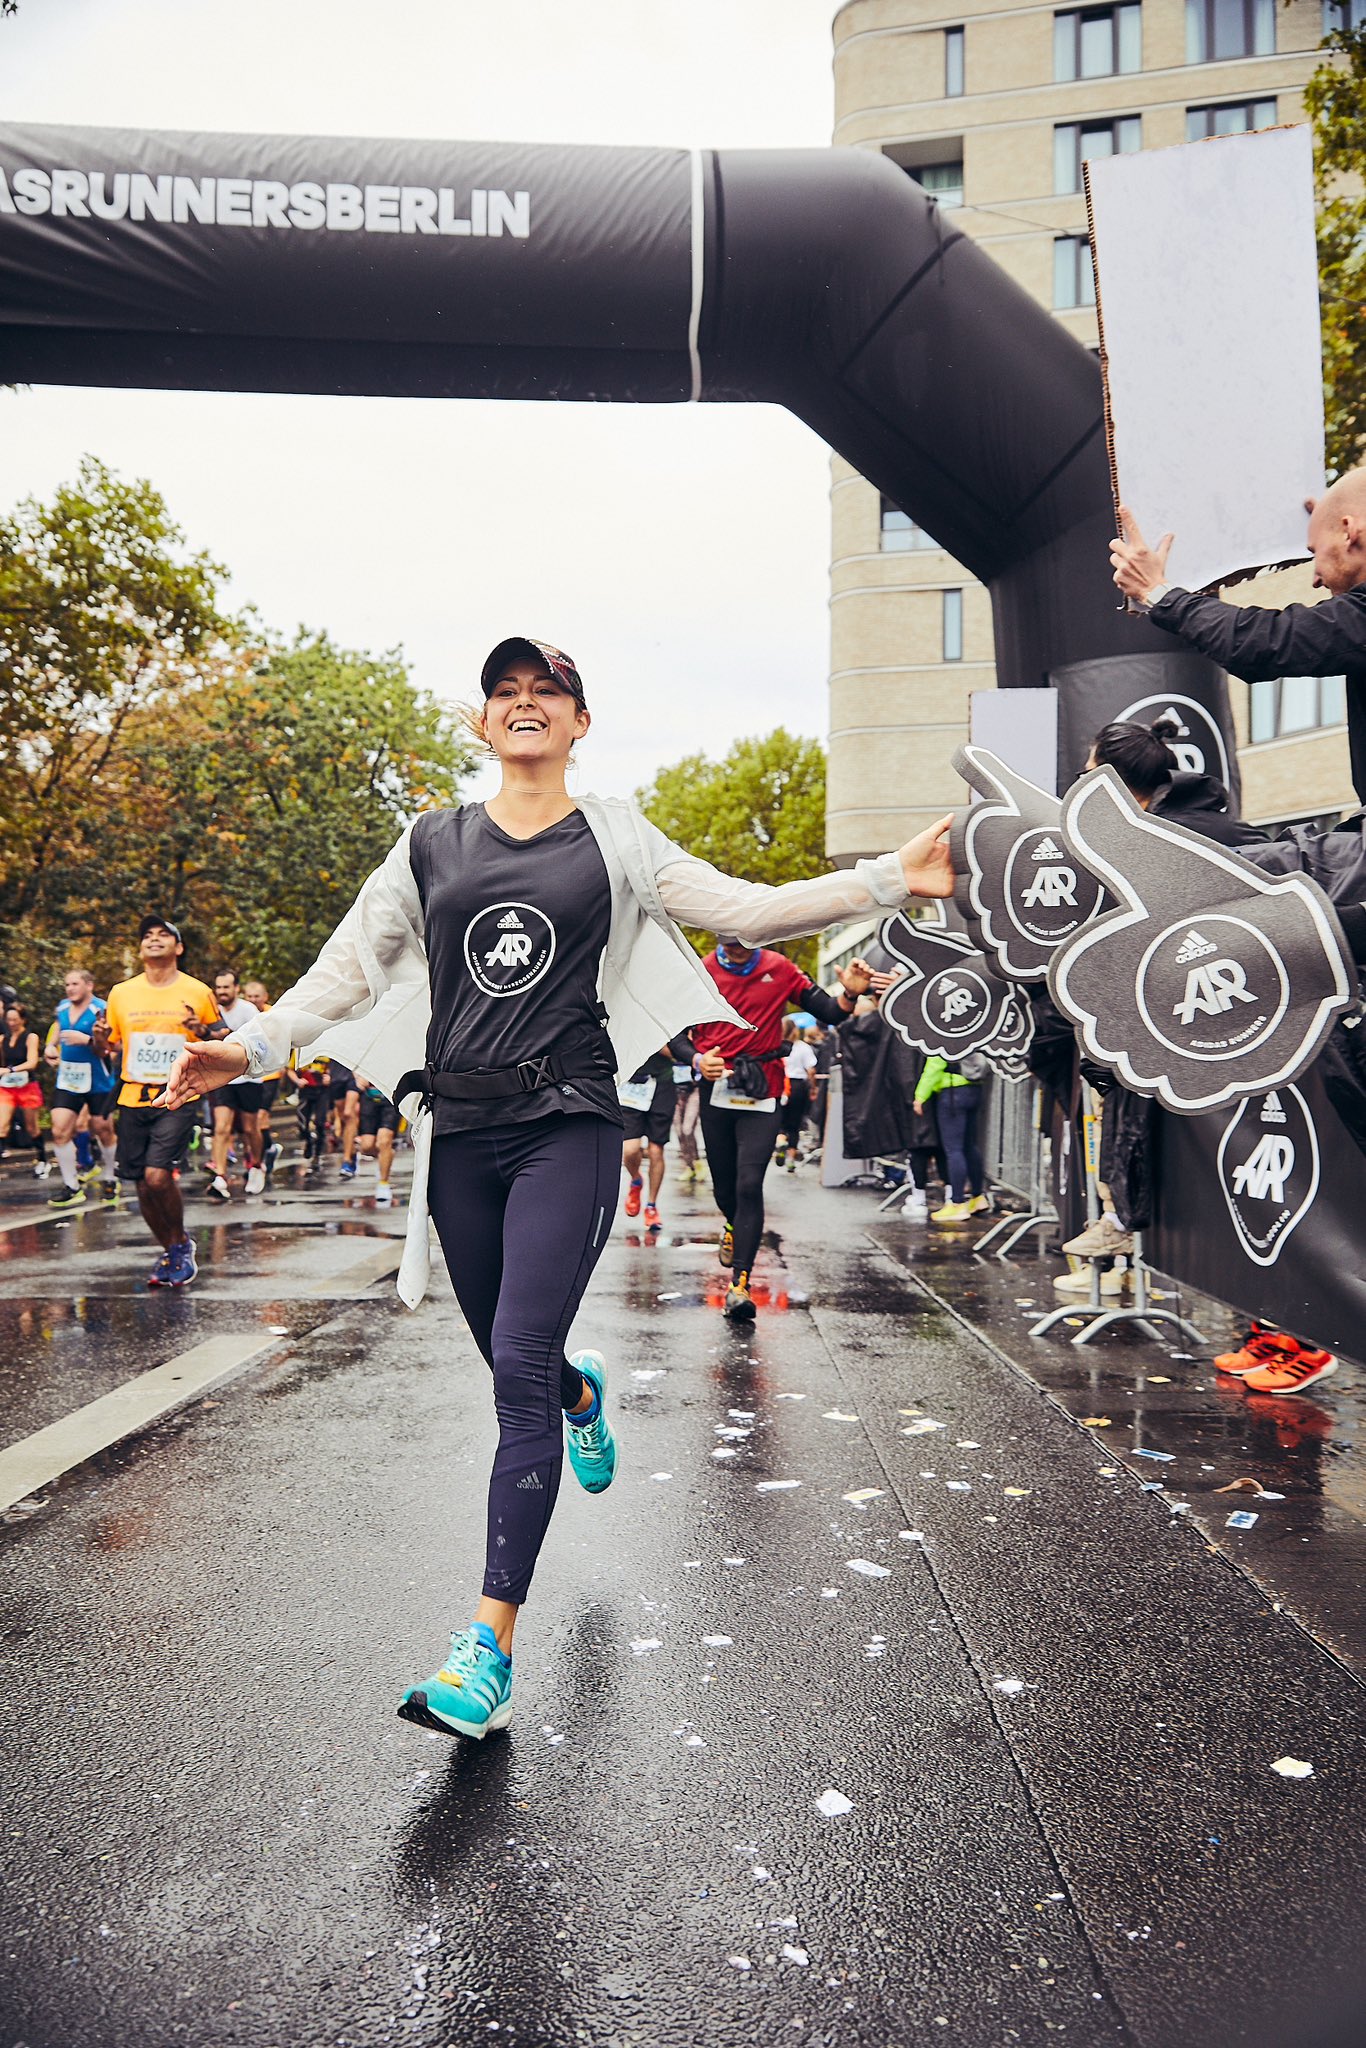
[(531, 1483)]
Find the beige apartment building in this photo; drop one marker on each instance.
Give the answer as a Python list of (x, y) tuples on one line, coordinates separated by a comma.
[(992, 109)]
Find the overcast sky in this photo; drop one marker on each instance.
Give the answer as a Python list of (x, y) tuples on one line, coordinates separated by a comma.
[(680, 553)]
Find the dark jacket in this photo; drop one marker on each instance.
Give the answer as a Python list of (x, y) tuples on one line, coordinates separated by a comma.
[(1327, 639), (1201, 802)]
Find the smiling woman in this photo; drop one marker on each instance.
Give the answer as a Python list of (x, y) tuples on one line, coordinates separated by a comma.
[(496, 974)]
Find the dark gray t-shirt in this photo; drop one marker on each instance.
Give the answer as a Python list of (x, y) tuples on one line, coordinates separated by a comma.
[(515, 932)]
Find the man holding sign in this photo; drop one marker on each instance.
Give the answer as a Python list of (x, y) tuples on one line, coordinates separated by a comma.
[(151, 1019), (1327, 639)]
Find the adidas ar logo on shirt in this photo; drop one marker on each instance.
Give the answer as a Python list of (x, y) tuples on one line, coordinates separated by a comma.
[(510, 922), (1194, 947), (1047, 849), (1272, 1111)]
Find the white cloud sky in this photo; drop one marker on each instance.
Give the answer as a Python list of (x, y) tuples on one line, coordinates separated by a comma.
[(679, 552)]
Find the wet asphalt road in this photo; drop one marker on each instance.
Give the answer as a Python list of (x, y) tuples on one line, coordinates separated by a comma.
[(1053, 1705)]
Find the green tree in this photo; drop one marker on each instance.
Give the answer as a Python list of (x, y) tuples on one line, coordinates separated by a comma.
[(759, 814), (1335, 99), (252, 809), (103, 613)]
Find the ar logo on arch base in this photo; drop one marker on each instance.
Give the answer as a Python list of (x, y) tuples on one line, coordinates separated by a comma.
[(1268, 1165)]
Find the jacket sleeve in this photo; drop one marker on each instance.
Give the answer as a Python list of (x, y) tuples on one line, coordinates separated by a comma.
[(1257, 645), (352, 971), (693, 892), (827, 1009), (932, 1078)]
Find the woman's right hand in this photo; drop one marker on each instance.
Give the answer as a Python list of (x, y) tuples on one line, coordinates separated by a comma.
[(711, 1066), (203, 1066)]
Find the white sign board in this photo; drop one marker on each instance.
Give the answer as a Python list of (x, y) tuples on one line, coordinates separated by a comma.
[(1022, 727), (1207, 293)]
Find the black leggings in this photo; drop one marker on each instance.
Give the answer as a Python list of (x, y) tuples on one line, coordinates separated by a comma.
[(793, 1113), (739, 1146), (521, 1211)]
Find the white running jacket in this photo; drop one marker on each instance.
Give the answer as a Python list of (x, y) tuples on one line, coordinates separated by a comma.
[(366, 1000)]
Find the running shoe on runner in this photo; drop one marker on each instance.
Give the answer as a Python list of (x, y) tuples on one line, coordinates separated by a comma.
[(739, 1301), (384, 1196), (591, 1444), (272, 1158), (725, 1250), (256, 1180), (67, 1198), (109, 1194), (42, 1168), (181, 1264), (1261, 1346), (219, 1189), (348, 1169), (160, 1275), (470, 1695), (1291, 1375), (632, 1202), (650, 1216)]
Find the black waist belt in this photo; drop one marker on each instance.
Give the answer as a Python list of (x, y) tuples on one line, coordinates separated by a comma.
[(486, 1085)]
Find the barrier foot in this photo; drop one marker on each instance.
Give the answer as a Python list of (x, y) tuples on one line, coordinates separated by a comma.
[(1060, 1315), (1030, 1223)]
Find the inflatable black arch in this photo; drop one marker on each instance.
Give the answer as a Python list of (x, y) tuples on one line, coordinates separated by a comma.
[(826, 281)]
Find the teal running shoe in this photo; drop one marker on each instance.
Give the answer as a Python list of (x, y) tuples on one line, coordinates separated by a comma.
[(592, 1446), (470, 1695)]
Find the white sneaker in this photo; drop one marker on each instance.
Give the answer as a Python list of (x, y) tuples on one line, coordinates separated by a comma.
[(256, 1180), (219, 1189), (1112, 1282), (384, 1196), (916, 1207), (41, 1168)]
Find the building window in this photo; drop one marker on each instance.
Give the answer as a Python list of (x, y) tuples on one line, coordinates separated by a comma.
[(943, 181), (900, 534), (953, 63), (1296, 704), (953, 625), (1216, 29), (1343, 14), (1239, 117), (1093, 42), (1074, 280), (1075, 141)]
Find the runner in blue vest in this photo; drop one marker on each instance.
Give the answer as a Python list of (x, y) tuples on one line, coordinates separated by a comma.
[(83, 1082)]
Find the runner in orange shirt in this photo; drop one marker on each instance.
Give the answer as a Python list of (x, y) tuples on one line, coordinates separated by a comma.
[(149, 1019)]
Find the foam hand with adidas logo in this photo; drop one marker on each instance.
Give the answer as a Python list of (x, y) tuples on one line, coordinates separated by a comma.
[(1209, 983)]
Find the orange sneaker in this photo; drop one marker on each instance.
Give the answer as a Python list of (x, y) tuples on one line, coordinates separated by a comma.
[(1291, 1375), (633, 1198), (1261, 1346)]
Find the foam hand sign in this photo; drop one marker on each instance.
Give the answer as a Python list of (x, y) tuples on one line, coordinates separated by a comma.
[(1210, 982), (1019, 890), (949, 1001)]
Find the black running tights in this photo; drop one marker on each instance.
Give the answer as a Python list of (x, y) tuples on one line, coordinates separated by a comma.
[(739, 1146), (521, 1211)]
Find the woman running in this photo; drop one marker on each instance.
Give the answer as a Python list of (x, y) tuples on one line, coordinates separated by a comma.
[(493, 976), (21, 1092)]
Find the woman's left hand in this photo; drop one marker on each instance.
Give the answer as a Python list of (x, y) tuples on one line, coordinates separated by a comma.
[(926, 863), (856, 979)]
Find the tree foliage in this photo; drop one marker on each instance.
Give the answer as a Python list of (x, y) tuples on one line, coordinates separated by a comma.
[(758, 814), (155, 754), (1335, 99)]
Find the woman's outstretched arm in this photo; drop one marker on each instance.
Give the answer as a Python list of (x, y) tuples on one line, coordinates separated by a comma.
[(694, 892)]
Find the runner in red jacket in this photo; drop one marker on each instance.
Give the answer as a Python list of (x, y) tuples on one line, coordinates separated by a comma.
[(740, 1102)]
